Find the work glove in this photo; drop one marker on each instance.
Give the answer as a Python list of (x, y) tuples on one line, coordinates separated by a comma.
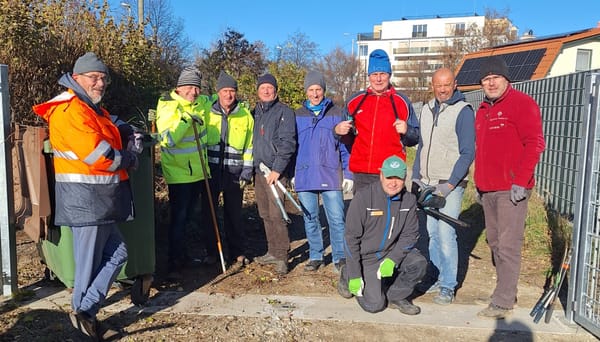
[(293, 183), (442, 189), (386, 268), (194, 118), (517, 193), (356, 286), (243, 183), (347, 185), (136, 143)]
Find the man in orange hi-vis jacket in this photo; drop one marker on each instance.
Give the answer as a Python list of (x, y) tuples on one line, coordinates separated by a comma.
[(92, 188)]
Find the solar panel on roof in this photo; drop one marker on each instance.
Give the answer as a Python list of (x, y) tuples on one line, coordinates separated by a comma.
[(521, 66)]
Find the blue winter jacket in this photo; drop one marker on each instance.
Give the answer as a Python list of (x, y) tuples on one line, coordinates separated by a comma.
[(322, 161)]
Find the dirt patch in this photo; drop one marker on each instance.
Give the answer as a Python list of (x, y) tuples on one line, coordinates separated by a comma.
[(476, 276)]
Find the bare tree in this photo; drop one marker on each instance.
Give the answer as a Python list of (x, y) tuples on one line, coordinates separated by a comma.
[(235, 55), (298, 49), (341, 72)]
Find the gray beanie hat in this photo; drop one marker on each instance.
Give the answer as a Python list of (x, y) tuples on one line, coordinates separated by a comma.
[(267, 78), (226, 81), (494, 65), (190, 76), (312, 78), (89, 62)]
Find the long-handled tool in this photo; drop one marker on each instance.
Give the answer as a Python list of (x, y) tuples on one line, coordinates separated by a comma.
[(195, 121), (266, 171), (564, 267)]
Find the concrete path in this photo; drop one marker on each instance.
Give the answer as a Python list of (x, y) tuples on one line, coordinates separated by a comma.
[(322, 308)]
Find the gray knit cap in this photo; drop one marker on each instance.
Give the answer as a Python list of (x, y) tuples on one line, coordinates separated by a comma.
[(89, 62), (312, 78), (226, 81), (190, 76)]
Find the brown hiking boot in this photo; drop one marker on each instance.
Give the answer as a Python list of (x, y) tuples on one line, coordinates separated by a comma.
[(266, 259), (405, 307), (494, 311)]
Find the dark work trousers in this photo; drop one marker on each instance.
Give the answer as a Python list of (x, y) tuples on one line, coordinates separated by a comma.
[(182, 200), (232, 233), (362, 180), (276, 229), (505, 229), (377, 293)]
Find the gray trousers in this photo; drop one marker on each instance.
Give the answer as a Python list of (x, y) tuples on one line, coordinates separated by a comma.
[(505, 229)]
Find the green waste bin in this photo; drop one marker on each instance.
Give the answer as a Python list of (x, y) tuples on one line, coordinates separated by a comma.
[(57, 249)]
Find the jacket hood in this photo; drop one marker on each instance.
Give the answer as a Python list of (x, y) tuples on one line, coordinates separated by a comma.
[(67, 81)]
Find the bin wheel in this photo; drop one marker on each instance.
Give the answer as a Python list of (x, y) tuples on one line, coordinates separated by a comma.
[(140, 290)]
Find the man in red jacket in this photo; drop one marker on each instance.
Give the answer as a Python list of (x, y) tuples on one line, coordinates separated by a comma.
[(381, 123), (509, 141)]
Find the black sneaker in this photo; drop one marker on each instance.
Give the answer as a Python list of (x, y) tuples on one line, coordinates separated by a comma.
[(342, 285), (313, 265), (86, 325), (405, 307)]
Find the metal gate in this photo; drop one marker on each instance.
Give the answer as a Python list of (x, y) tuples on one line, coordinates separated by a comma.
[(583, 305)]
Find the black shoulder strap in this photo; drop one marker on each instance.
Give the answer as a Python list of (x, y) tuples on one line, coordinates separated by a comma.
[(394, 106), (359, 104)]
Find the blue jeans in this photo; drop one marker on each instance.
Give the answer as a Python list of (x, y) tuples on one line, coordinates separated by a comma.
[(333, 203), (99, 253), (443, 247)]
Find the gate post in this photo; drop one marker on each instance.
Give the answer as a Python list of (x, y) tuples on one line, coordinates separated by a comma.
[(8, 254)]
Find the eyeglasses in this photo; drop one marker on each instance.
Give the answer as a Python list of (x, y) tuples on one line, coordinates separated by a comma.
[(95, 78), (490, 78)]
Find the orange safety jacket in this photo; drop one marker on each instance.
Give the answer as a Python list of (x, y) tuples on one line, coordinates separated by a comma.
[(92, 186)]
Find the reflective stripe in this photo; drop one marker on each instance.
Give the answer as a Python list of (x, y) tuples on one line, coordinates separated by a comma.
[(228, 149), (228, 162), (89, 179), (179, 150), (116, 162), (248, 163), (101, 150), (69, 155)]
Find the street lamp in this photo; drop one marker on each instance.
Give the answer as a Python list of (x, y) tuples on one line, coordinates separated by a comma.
[(128, 6), (352, 48)]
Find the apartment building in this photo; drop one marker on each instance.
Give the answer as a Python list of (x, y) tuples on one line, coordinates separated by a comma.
[(417, 46)]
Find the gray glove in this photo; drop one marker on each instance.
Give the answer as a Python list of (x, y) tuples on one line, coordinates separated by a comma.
[(136, 143), (347, 185), (517, 193), (442, 189)]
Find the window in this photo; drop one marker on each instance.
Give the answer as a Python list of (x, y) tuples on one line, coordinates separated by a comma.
[(363, 50), (584, 60), (459, 29), (419, 31)]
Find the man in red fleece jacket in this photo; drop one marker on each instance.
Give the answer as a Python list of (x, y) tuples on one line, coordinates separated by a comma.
[(509, 141)]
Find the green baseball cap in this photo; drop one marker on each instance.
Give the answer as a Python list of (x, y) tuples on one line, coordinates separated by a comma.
[(393, 166)]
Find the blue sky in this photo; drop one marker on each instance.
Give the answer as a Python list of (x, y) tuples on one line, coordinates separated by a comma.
[(334, 23)]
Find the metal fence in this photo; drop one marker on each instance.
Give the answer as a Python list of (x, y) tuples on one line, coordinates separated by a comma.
[(562, 104), (568, 178)]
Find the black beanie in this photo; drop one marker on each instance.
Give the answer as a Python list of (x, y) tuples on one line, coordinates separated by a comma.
[(226, 81), (494, 65), (267, 78)]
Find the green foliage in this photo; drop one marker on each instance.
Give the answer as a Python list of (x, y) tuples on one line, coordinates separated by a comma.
[(290, 79), (43, 38)]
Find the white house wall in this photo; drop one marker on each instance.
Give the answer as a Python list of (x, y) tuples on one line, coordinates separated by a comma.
[(565, 61)]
